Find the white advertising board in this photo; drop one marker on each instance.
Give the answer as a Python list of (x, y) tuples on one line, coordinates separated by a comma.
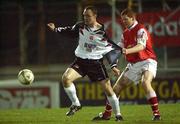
[(40, 94)]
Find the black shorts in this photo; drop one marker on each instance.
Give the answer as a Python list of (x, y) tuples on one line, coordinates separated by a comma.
[(94, 69)]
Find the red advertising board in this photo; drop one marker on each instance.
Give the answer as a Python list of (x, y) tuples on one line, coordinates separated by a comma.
[(163, 26)]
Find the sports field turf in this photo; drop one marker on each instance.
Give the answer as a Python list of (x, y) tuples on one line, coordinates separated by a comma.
[(133, 114)]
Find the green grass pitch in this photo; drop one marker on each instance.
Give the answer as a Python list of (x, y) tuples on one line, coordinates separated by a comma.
[(133, 114)]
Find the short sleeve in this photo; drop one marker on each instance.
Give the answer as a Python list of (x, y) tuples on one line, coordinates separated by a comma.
[(142, 36)]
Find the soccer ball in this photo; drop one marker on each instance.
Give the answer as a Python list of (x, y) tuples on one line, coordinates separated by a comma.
[(26, 77)]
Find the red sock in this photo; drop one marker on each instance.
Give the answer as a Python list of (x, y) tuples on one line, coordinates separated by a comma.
[(108, 110), (154, 105)]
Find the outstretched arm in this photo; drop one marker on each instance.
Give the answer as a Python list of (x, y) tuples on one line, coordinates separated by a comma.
[(68, 30)]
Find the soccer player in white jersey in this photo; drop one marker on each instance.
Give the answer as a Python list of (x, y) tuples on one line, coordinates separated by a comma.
[(142, 63), (93, 44)]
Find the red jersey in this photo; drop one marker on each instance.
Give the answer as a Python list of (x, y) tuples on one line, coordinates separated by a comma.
[(130, 40)]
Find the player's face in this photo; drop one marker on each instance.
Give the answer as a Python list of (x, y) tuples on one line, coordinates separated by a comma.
[(89, 17), (127, 21)]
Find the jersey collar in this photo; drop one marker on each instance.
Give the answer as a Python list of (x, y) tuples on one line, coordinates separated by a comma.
[(131, 27)]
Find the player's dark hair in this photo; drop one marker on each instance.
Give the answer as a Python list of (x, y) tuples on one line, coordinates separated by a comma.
[(92, 8), (129, 12)]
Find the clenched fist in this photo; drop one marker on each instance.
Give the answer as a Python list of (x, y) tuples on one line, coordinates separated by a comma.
[(116, 71), (51, 26)]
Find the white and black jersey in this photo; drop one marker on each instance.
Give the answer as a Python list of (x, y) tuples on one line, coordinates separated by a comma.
[(92, 44)]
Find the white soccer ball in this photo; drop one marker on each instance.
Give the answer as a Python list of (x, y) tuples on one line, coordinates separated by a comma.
[(26, 77)]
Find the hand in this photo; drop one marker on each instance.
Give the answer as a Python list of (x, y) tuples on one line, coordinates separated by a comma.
[(116, 71), (124, 51), (51, 26)]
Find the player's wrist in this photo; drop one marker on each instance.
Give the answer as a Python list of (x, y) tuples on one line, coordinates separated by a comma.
[(113, 66), (55, 29)]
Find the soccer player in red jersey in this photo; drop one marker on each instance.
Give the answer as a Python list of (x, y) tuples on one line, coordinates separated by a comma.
[(142, 65)]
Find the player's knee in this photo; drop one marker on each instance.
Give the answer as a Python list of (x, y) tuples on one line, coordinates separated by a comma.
[(144, 84), (65, 79), (147, 86), (107, 87), (109, 92)]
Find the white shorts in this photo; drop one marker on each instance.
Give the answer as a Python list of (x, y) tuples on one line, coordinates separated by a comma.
[(135, 70)]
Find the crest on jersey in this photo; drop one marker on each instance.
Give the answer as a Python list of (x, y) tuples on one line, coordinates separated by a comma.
[(91, 37)]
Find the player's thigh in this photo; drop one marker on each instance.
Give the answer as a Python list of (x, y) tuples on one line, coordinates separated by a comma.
[(70, 75), (121, 84), (147, 78)]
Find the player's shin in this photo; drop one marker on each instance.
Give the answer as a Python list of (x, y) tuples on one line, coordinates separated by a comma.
[(71, 92), (153, 101), (114, 102)]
